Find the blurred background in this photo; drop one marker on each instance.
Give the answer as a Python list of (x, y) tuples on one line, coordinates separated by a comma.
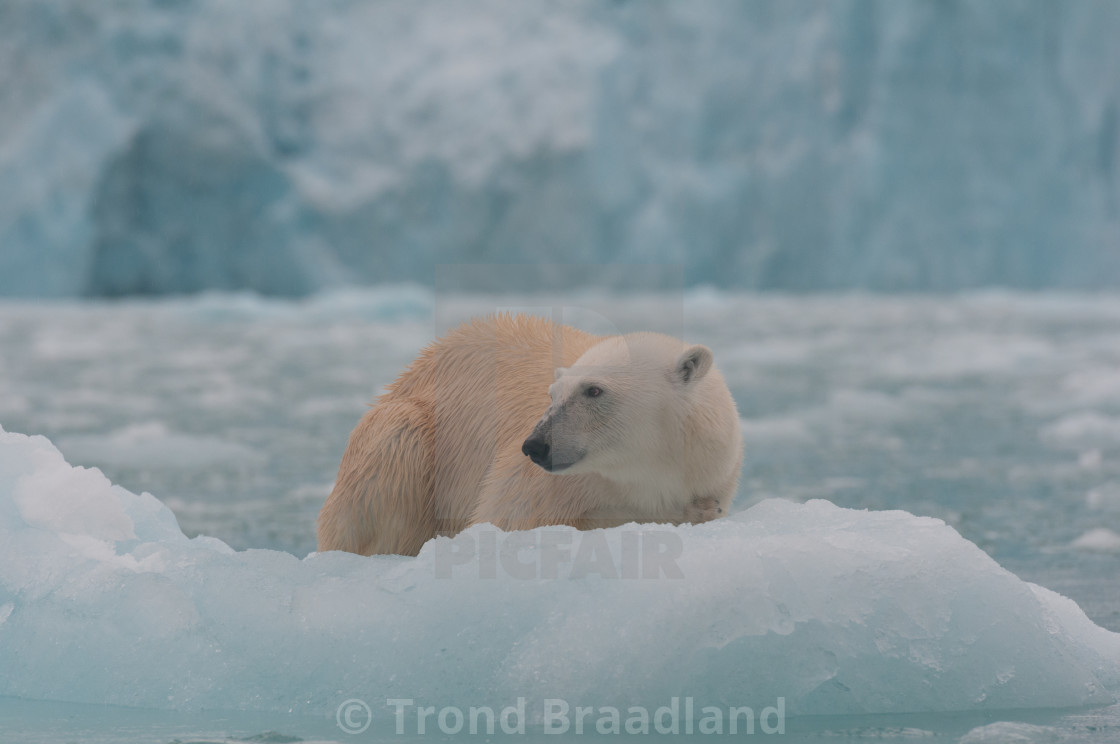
[(285, 146), (896, 222)]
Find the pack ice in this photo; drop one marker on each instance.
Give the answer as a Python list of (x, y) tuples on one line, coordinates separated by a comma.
[(103, 599)]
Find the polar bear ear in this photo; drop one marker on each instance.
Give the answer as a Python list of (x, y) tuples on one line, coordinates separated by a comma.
[(694, 363), (559, 372)]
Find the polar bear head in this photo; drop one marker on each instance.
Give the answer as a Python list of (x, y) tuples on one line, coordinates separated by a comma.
[(626, 407)]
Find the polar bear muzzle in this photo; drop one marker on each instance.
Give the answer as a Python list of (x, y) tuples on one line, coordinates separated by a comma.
[(539, 449), (549, 455)]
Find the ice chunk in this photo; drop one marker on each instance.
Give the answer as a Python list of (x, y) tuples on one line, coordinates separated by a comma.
[(153, 443), (1099, 539), (1080, 430), (70, 501), (1012, 732), (1105, 497), (103, 599)]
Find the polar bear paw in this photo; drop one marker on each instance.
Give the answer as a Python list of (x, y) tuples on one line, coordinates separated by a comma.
[(703, 509)]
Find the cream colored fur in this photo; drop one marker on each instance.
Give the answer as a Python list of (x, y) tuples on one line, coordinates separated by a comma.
[(441, 448)]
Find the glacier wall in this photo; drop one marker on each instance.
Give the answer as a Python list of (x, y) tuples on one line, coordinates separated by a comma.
[(180, 145)]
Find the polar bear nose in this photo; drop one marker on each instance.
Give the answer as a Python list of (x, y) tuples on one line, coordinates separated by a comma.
[(538, 450)]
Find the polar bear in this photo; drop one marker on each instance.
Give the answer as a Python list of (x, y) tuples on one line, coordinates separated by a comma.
[(521, 422)]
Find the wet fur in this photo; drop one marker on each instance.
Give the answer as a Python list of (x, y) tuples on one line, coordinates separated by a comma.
[(441, 448)]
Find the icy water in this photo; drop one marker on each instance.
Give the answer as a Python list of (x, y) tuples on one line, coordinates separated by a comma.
[(35, 722), (999, 413)]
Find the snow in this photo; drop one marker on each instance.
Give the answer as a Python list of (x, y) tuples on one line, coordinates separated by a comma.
[(104, 600), (163, 147)]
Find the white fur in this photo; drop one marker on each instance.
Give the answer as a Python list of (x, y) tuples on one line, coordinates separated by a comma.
[(665, 439), (442, 447)]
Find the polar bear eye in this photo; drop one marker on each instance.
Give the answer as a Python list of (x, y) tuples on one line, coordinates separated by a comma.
[(593, 391)]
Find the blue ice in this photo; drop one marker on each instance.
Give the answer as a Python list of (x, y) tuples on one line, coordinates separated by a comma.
[(104, 600)]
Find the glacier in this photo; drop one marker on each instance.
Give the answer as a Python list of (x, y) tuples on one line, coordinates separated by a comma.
[(155, 147), (104, 600)]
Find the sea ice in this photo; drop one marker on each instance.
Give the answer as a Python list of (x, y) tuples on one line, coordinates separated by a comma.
[(104, 600), (1011, 732), (1100, 539), (153, 442)]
